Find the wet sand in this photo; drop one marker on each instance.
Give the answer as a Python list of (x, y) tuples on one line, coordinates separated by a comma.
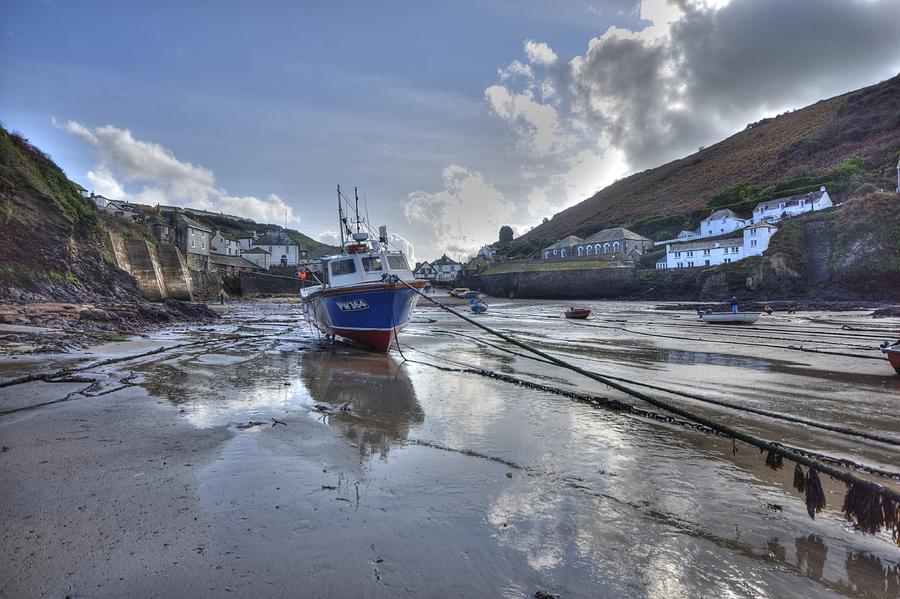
[(379, 478)]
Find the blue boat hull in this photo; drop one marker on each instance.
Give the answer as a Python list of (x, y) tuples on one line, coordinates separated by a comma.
[(371, 315)]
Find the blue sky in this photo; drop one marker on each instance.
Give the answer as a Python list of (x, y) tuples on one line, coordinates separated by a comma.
[(452, 117)]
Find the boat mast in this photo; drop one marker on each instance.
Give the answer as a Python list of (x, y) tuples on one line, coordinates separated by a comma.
[(340, 217), (356, 194)]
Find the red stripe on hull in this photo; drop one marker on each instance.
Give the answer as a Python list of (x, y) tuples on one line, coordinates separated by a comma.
[(893, 356), (379, 341)]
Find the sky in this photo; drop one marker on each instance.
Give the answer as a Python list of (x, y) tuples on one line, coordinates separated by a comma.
[(452, 118)]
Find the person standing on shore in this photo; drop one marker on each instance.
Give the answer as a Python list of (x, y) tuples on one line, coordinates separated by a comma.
[(734, 305)]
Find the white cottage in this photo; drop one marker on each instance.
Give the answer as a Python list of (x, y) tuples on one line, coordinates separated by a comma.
[(775, 210), (445, 269), (425, 271), (283, 250), (721, 222), (258, 256)]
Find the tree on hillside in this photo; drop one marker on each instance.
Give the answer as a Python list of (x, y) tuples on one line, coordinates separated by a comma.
[(506, 234)]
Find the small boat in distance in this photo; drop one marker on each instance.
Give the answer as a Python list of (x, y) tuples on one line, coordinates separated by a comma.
[(577, 313), (367, 293), (893, 354), (478, 306), (730, 317)]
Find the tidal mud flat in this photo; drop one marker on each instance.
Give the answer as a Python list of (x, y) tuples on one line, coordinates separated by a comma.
[(252, 457)]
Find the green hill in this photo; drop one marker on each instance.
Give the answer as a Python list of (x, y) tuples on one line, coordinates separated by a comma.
[(850, 143)]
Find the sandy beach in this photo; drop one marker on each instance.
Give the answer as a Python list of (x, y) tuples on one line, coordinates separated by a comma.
[(253, 457)]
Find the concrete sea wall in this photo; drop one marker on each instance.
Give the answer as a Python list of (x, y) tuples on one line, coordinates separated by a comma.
[(255, 283)]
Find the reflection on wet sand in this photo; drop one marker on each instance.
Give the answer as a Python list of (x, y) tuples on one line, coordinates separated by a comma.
[(373, 398)]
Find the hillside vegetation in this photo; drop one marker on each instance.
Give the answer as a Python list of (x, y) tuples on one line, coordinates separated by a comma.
[(849, 143), (52, 246)]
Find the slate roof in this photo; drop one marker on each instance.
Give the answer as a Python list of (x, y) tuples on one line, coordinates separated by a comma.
[(194, 224), (236, 261), (255, 251), (565, 242), (723, 213), (445, 261), (614, 234), (794, 200), (275, 238)]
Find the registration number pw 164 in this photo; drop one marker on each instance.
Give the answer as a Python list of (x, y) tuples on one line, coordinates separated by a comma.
[(352, 305)]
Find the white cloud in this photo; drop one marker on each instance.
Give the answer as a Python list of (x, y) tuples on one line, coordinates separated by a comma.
[(330, 237), (537, 125), (146, 172), (539, 53), (463, 216)]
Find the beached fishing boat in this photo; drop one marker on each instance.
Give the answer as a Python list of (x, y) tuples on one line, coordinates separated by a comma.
[(893, 354), (730, 317), (577, 313), (478, 306), (366, 293)]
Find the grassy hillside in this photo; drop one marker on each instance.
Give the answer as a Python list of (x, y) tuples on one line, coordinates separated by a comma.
[(52, 243), (849, 143)]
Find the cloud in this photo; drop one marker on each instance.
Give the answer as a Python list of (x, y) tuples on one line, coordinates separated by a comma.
[(539, 53), (699, 70), (146, 172), (463, 216)]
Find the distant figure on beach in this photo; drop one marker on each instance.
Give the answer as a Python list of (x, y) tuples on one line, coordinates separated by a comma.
[(222, 297), (792, 308), (769, 309), (734, 305)]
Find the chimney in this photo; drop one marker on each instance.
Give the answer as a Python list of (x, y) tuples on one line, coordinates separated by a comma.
[(822, 188)]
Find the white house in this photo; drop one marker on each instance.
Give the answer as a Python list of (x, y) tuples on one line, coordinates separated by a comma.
[(756, 238), (258, 256), (424, 271), (445, 269), (283, 250), (712, 252), (721, 222), (562, 248), (487, 252), (775, 210), (224, 244)]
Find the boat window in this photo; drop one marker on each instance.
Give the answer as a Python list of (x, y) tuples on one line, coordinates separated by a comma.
[(343, 267), (371, 263), (397, 263)]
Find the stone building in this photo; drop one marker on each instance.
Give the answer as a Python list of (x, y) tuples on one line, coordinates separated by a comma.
[(192, 239), (617, 240)]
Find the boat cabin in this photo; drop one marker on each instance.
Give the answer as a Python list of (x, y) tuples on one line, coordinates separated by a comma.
[(362, 268)]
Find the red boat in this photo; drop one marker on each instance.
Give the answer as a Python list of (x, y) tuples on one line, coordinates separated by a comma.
[(893, 354), (579, 313)]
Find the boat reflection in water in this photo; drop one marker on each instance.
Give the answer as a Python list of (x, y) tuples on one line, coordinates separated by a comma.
[(369, 395)]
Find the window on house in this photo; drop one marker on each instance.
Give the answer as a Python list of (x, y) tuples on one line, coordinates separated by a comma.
[(202, 244), (192, 243), (690, 265), (707, 262), (706, 252), (753, 231), (343, 267), (727, 260), (802, 202), (371, 263), (680, 265), (690, 253), (753, 242), (781, 205), (678, 254)]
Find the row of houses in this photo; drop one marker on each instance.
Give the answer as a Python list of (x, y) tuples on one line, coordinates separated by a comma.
[(206, 249)]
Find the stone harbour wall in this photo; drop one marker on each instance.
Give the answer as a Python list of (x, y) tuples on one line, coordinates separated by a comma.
[(256, 283), (586, 283)]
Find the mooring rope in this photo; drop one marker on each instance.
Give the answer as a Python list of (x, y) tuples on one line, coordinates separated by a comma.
[(714, 401), (871, 504)]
